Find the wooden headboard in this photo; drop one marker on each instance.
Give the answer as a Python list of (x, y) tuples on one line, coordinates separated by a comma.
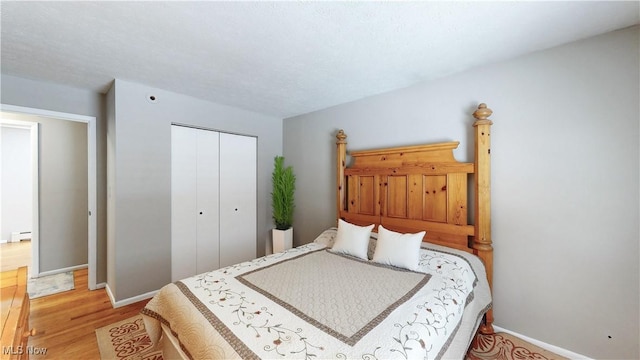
[(423, 187)]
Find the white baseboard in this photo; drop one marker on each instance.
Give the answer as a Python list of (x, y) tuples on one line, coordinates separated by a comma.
[(58, 271), (128, 301), (100, 286), (558, 350), (110, 294)]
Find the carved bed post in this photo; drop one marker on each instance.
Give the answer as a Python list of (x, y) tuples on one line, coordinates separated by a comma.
[(482, 239), (341, 163)]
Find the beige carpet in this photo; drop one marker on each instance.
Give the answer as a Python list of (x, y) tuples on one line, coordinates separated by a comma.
[(126, 340), (506, 347)]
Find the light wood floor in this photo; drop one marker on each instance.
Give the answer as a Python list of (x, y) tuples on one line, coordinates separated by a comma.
[(66, 322), (15, 255)]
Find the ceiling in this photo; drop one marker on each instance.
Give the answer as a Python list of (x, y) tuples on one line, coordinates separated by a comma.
[(284, 58)]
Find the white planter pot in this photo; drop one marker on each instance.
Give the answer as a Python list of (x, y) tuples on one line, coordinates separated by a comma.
[(282, 240)]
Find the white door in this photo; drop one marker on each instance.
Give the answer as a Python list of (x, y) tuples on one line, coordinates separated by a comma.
[(238, 197), (184, 164), (208, 236), (194, 202)]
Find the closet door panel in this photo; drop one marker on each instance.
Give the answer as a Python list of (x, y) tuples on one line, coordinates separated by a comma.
[(238, 196), (183, 201), (208, 236)]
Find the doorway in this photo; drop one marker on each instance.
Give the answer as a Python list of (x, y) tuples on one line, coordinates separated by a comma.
[(10, 111), (16, 213)]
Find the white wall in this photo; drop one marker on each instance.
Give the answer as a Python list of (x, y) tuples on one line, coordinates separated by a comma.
[(565, 175), (16, 181), (139, 158)]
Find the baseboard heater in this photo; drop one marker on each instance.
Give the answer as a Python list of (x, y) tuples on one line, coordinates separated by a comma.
[(19, 236)]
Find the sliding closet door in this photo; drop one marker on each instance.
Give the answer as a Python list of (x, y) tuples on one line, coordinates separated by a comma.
[(195, 218), (238, 197)]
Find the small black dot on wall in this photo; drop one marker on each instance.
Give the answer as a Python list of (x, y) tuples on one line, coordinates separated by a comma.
[(610, 337), (153, 99)]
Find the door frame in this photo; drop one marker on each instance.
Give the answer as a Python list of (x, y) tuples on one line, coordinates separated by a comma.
[(91, 182)]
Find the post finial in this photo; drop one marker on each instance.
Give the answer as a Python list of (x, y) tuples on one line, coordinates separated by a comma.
[(341, 136), (482, 113)]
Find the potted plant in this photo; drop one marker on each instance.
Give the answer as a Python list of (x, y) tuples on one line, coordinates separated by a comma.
[(284, 185)]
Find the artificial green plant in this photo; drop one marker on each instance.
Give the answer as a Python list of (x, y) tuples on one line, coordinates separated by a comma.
[(284, 186)]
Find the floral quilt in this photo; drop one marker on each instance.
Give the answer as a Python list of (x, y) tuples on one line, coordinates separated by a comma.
[(310, 303)]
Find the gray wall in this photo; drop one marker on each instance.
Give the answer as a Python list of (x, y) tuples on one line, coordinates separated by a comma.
[(140, 177), (57, 251), (17, 209), (565, 164)]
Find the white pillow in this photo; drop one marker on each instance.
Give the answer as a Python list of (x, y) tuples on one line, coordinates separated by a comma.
[(352, 239), (397, 249)]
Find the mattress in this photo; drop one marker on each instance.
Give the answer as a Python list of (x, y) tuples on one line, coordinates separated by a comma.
[(309, 302)]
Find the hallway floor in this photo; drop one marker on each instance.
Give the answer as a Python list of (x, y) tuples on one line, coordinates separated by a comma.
[(15, 255)]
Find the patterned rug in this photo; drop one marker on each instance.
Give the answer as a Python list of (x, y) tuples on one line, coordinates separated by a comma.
[(126, 340), (49, 285), (506, 347)]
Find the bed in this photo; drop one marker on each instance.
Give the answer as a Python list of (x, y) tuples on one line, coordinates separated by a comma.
[(402, 275)]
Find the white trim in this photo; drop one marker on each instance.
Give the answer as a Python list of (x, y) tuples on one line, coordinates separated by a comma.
[(101, 285), (92, 204), (60, 271), (558, 350), (35, 195), (110, 294), (16, 124), (46, 113), (128, 301), (92, 182)]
